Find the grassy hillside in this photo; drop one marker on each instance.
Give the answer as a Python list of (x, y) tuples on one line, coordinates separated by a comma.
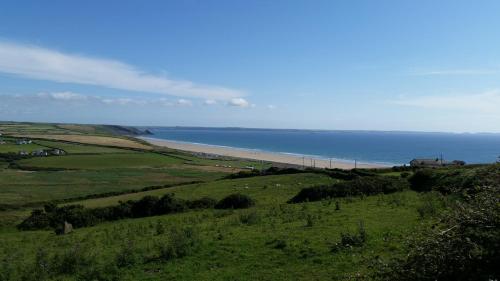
[(273, 241), (341, 225), (266, 190)]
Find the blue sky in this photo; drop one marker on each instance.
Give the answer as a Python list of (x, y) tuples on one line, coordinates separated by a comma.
[(363, 65)]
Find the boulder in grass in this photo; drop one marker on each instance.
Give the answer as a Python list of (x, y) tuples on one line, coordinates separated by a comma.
[(66, 228)]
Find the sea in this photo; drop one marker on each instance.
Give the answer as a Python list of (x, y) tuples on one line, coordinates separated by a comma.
[(380, 147)]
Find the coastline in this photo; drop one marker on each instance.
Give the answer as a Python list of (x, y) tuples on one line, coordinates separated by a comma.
[(284, 158)]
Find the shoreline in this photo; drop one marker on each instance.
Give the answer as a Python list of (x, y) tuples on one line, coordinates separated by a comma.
[(275, 157)]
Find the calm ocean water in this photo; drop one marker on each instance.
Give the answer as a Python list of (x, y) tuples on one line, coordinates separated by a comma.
[(364, 146)]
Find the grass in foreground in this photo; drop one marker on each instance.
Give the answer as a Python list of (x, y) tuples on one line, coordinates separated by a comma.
[(271, 241)]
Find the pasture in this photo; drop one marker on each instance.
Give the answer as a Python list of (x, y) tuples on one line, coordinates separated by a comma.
[(94, 170)]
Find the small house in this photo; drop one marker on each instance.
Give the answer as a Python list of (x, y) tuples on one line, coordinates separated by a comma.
[(23, 153), (40, 153), (23, 141), (434, 162), (420, 162), (57, 151)]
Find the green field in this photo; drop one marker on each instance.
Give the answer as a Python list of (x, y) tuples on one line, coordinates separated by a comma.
[(266, 190), (25, 187), (88, 170), (73, 148), (107, 161), (10, 146), (230, 249)]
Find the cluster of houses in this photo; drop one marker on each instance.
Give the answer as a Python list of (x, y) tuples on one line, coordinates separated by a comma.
[(39, 152), (44, 152), (434, 163), (23, 141), (18, 142)]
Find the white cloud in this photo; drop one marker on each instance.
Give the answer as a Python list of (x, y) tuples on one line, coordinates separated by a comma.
[(165, 102), (184, 102), (122, 101), (239, 102), (44, 64), (270, 106), (486, 102), (210, 102), (63, 96), (444, 72)]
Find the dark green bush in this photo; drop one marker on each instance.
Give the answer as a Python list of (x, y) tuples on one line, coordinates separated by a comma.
[(464, 245), (145, 207), (235, 201), (37, 220), (341, 174), (358, 186), (423, 180), (169, 204), (458, 180), (203, 203), (349, 240), (266, 172), (54, 217)]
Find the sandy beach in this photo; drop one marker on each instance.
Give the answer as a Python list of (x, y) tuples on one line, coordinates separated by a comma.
[(259, 155)]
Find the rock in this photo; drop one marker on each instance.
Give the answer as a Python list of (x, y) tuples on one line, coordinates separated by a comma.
[(68, 228)]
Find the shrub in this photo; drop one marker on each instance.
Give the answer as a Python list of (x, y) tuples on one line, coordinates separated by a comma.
[(315, 193), (37, 220), (356, 239), (358, 186), (349, 240), (77, 215), (341, 174), (235, 201), (203, 203), (266, 172), (169, 204), (464, 245), (422, 180), (54, 217), (144, 207), (50, 207), (457, 180)]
